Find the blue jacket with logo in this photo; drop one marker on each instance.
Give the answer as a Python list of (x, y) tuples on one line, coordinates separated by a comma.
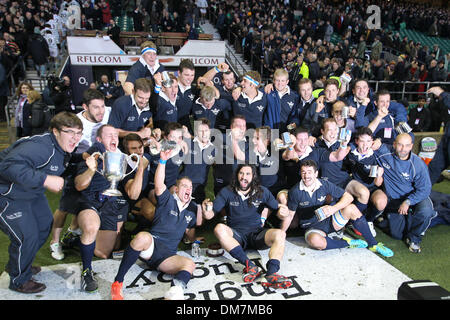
[(24, 166), (404, 179)]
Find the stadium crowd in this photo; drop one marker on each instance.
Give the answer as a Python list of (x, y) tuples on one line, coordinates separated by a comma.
[(311, 150)]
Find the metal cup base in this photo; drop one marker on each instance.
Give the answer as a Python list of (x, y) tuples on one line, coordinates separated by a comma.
[(112, 193)]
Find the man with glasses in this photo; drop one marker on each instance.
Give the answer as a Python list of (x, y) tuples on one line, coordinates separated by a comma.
[(28, 168)]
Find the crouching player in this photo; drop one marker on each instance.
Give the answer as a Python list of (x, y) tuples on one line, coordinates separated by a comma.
[(335, 211), (175, 214)]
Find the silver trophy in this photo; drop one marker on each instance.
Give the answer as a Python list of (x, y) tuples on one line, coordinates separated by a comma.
[(114, 169), (166, 81)]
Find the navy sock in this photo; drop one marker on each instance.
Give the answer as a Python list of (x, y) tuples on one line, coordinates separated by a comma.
[(273, 265), (129, 258), (335, 244), (373, 213), (361, 206), (239, 254), (183, 276), (361, 225), (87, 253)]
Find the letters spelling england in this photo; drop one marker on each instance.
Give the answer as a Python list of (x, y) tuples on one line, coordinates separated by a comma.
[(223, 290)]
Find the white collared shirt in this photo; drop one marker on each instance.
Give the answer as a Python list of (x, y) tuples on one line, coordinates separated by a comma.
[(362, 156), (307, 152), (287, 91), (180, 205), (258, 97), (139, 110), (152, 70), (305, 102), (198, 101), (165, 97), (329, 144), (200, 145), (182, 88), (313, 188)]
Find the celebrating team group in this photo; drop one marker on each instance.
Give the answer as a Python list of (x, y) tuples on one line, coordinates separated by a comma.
[(282, 156)]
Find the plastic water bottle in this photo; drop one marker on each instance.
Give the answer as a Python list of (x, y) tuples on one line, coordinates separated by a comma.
[(195, 251)]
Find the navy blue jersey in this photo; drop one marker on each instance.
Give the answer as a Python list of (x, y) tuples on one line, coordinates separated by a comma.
[(218, 114), (98, 182), (404, 178), (252, 110), (335, 172), (165, 111), (140, 70), (125, 115), (173, 166), (185, 102), (226, 163), (359, 166), (304, 203), (170, 223), (313, 120), (145, 179), (280, 110), (243, 216), (27, 162), (197, 162), (270, 170), (386, 128), (292, 167)]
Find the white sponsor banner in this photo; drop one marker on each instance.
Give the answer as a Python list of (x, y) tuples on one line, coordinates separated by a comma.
[(340, 274), (128, 60)]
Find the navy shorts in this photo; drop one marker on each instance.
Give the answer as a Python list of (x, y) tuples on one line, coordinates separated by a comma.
[(253, 240), (70, 201), (160, 253), (111, 210), (325, 225)]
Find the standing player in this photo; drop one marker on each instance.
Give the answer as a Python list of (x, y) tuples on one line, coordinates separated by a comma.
[(28, 168)]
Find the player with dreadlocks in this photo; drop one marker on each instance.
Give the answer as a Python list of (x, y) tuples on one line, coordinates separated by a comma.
[(244, 200)]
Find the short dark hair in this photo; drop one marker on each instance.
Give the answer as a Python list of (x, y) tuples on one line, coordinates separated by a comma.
[(172, 126), (186, 64), (362, 131), (92, 94), (381, 93), (308, 163), (131, 137)]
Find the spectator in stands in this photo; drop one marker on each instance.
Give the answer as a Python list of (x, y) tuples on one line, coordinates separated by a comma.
[(39, 117), (441, 159), (108, 89), (61, 94), (21, 93), (419, 117), (39, 50)]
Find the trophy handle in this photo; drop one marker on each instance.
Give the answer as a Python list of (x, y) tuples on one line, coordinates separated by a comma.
[(135, 168), (100, 156)]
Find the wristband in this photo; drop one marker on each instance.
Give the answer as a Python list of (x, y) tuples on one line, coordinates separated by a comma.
[(161, 161), (290, 148), (263, 219), (217, 69), (343, 146)]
